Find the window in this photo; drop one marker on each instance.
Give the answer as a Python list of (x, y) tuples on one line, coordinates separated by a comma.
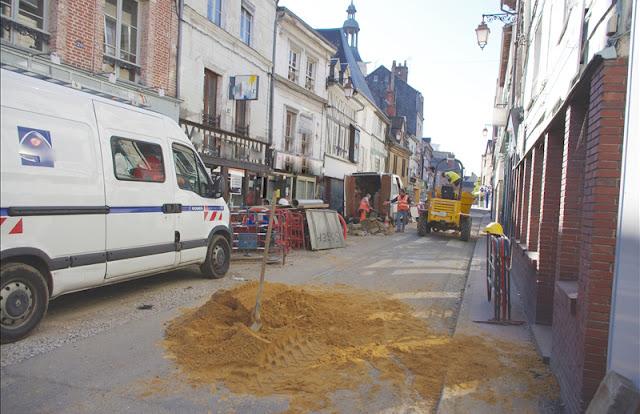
[(214, 11), (289, 131), (310, 78), (404, 168), (354, 144), (306, 144), (293, 65), (27, 27), (121, 38), (536, 57), (210, 115), (242, 117), (190, 173), (246, 25), (137, 160), (305, 190)]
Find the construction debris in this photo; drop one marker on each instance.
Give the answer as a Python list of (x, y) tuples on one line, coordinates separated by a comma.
[(369, 226)]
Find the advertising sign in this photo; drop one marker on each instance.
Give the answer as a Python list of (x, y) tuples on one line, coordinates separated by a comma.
[(244, 87)]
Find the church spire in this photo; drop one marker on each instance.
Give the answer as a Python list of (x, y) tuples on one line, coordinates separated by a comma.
[(351, 27)]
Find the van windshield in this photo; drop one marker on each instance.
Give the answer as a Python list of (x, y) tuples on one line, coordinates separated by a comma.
[(190, 173)]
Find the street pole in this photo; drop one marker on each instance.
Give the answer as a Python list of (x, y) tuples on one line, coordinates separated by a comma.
[(255, 316)]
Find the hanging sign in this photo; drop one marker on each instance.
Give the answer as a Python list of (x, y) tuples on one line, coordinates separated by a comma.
[(244, 87)]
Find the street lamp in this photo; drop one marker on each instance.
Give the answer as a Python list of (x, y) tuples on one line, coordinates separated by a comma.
[(482, 33), (349, 90)]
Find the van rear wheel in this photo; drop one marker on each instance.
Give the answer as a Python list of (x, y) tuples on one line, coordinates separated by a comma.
[(218, 257), (24, 298)]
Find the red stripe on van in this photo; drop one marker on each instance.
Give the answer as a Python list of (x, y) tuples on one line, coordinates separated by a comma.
[(17, 229), (2, 219)]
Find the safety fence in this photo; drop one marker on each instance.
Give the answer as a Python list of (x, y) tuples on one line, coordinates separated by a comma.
[(249, 229)]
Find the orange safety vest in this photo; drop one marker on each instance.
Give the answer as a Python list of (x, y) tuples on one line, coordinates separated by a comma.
[(364, 205), (403, 203)]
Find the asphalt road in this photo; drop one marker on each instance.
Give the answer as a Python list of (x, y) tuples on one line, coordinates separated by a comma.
[(97, 352)]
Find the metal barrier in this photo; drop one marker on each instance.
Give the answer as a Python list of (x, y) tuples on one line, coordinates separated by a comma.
[(498, 279), (249, 229), (294, 225)]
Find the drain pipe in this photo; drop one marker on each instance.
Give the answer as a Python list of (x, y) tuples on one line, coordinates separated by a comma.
[(272, 77), (180, 5)]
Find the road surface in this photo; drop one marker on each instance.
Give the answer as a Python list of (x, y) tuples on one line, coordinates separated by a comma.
[(97, 352)]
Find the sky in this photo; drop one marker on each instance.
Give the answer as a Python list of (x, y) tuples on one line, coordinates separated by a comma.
[(438, 41)]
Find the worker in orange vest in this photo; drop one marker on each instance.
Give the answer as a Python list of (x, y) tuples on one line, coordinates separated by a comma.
[(364, 207), (404, 204)]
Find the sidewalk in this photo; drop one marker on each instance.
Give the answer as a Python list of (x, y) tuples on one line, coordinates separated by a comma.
[(507, 393)]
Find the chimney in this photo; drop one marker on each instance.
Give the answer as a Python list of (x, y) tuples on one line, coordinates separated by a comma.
[(401, 71), (390, 96)]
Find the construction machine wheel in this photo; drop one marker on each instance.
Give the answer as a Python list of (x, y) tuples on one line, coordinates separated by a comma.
[(465, 228)]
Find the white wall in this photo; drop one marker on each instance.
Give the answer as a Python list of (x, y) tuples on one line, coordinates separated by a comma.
[(308, 105), (554, 36), (205, 45), (624, 335), (372, 126)]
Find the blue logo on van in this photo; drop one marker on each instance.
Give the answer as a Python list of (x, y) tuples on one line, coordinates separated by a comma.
[(36, 149)]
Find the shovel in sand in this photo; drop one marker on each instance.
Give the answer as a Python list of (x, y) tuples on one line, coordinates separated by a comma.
[(256, 323)]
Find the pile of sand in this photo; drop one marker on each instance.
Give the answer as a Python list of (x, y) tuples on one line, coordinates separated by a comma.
[(315, 341)]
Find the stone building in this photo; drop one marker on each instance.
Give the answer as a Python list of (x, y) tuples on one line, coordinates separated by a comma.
[(356, 126), (226, 59), (301, 69), (123, 49)]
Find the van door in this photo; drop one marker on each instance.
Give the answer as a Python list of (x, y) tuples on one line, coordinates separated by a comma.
[(139, 191), (200, 214)]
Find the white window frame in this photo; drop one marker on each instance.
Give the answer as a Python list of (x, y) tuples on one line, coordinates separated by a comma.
[(290, 140), (310, 75), (246, 32), (214, 12), (115, 58), (36, 31), (294, 65)]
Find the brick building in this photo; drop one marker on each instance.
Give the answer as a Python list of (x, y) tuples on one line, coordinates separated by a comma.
[(122, 48), (560, 148)]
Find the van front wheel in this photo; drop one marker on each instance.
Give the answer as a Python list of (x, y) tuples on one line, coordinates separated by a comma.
[(24, 298), (218, 258)]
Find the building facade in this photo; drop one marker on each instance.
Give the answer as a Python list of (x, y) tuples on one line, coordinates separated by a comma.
[(355, 124), (300, 101), (225, 84), (560, 107), (122, 49), (397, 98)]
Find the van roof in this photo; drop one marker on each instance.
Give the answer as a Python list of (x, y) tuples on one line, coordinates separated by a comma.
[(35, 80)]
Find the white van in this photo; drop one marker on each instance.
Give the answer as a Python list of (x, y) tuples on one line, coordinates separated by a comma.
[(94, 192)]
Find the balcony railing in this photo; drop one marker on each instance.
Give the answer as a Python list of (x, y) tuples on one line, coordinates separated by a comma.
[(210, 120), (242, 130), (224, 148)]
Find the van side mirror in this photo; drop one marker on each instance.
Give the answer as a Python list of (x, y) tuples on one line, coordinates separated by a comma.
[(215, 188)]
